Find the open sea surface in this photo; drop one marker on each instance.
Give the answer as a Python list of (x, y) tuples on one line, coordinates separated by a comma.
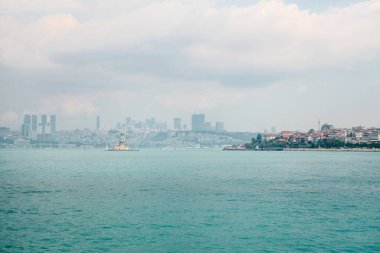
[(189, 201)]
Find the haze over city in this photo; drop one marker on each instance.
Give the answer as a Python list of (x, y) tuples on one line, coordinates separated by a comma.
[(249, 64)]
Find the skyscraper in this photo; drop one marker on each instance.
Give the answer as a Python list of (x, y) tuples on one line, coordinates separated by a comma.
[(34, 123), (26, 126), (43, 123), (273, 130), (53, 124), (197, 122), (97, 122), (177, 123)]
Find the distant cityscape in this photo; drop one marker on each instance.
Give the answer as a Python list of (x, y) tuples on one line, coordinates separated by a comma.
[(40, 131)]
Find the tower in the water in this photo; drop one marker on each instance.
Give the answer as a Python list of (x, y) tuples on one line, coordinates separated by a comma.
[(122, 143)]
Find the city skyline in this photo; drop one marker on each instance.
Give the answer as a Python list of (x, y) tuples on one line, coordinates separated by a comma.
[(42, 124), (249, 64)]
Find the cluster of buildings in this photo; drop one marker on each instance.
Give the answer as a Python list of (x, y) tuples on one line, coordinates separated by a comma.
[(39, 127), (198, 124), (34, 130), (134, 126), (41, 131), (326, 133)]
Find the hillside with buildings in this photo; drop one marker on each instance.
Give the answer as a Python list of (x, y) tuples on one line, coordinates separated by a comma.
[(327, 137)]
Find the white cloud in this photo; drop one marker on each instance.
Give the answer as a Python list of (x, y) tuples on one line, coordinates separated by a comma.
[(9, 117), (269, 35), (199, 99), (77, 107), (26, 45), (301, 88), (69, 105), (143, 57)]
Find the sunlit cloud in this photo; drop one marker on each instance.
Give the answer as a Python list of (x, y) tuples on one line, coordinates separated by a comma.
[(186, 55)]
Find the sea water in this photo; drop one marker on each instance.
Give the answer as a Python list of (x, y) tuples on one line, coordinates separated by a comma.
[(189, 201)]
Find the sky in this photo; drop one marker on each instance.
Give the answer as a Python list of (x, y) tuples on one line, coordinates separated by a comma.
[(250, 64)]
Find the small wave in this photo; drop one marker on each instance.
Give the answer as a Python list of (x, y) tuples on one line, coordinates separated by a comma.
[(35, 191)]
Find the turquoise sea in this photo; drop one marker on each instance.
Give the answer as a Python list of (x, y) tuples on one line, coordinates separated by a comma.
[(189, 201)]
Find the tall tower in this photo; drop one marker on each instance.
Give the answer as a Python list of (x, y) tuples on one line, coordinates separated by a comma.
[(53, 124), (27, 126), (97, 122), (34, 123), (43, 123)]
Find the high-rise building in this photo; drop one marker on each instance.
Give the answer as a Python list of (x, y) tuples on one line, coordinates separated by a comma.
[(34, 123), (150, 123), (27, 126), (177, 123), (207, 126), (273, 130), (27, 119), (197, 122), (43, 123), (53, 124), (97, 122), (4, 131), (219, 127)]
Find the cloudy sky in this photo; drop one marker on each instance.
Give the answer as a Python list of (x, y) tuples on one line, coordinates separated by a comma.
[(252, 64)]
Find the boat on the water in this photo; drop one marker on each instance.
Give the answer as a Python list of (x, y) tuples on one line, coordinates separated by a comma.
[(122, 145)]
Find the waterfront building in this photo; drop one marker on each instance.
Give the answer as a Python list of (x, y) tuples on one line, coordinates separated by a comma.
[(197, 122)]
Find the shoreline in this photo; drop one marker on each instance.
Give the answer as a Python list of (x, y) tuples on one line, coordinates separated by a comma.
[(333, 149), (311, 149)]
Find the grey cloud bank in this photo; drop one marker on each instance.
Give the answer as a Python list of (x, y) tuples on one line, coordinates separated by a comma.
[(250, 65)]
